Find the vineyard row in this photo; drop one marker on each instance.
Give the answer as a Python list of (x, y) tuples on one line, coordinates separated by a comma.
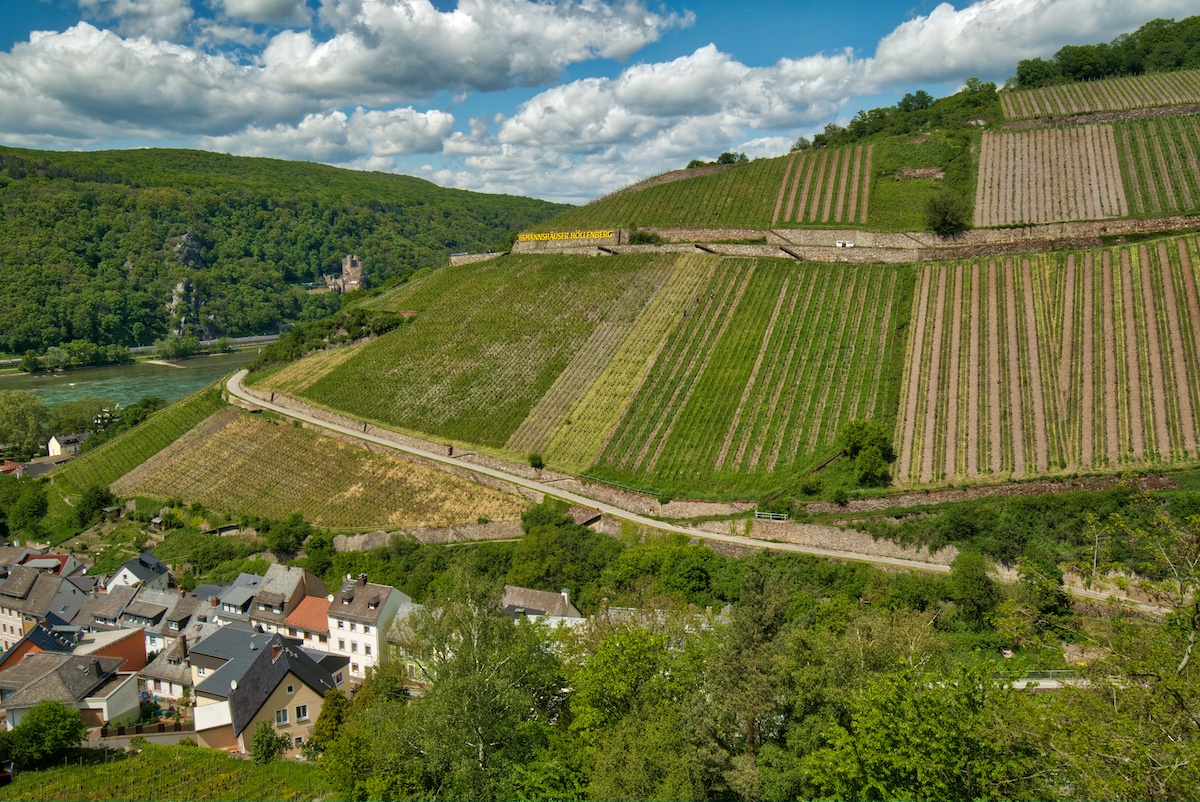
[(1110, 94), (1051, 364)]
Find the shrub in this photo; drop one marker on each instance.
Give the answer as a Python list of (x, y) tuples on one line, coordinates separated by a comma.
[(946, 214), (267, 745), (536, 462)]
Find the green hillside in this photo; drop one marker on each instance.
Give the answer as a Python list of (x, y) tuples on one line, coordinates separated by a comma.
[(93, 245), (685, 374)]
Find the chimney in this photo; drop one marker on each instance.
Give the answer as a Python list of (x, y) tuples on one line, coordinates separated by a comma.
[(183, 646), (212, 600), (362, 579), (276, 648)]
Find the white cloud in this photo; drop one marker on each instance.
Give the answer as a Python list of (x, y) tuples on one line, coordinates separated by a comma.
[(707, 90), (989, 37), (275, 12), (402, 51), (375, 136), (157, 19)]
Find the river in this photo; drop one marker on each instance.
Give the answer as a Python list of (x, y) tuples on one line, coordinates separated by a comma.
[(125, 384)]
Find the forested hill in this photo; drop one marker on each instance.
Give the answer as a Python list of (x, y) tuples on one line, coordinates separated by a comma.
[(93, 245)]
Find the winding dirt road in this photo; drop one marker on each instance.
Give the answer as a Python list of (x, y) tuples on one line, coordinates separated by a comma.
[(234, 386)]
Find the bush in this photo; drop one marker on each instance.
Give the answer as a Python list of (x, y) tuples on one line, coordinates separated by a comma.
[(639, 237), (91, 504), (536, 462), (267, 745), (946, 214)]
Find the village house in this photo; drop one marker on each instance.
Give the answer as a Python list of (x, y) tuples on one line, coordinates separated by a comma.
[(554, 609), (242, 678), (359, 615), (280, 592), (93, 685), (54, 636), (144, 570), (66, 445)]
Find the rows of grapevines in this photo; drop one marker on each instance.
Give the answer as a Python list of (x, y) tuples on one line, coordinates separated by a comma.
[(495, 337)]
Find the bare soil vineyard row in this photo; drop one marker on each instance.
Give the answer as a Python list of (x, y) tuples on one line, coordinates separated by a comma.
[(1049, 175), (1093, 363), (1160, 164), (827, 185), (1110, 94)]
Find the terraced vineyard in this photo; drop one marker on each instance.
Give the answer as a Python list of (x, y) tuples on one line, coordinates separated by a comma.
[(242, 464), (741, 197), (1052, 363), (1110, 94), (491, 336), (114, 459), (1159, 164), (827, 185), (1049, 175), (753, 384)]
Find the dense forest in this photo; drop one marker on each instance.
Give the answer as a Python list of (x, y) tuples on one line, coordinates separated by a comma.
[(819, 680), (120, 247), (1158, 46)]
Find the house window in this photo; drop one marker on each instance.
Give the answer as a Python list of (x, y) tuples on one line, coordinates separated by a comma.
[(291, 689), (341, 624), (338, 678), (354, 647), (292, 631), (354, 668), (367, 648), (367, 628), (173, 625), (301, 712), (281, 719), (299, 741), (158, 685), (342, 644), (353, 627), (322, 639)]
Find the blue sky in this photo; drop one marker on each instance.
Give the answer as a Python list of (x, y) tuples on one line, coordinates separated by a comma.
[(558, 99)]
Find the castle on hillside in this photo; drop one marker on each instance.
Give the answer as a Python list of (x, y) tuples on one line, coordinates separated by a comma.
[(353, 276)]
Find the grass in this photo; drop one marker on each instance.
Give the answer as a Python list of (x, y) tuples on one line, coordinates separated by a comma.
[(169, 772), (740, 197), (491, 336), (114, 459), (750, 389), (241, 464)]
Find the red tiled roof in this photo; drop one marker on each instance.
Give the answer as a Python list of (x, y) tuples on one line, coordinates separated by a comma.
[(310, 614), (8, 466)]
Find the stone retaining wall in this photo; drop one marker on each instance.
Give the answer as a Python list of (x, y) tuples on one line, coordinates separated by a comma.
[(827, 537), (469, 258), (496, 530)]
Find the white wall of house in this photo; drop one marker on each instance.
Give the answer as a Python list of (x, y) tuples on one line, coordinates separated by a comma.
[(362, 643), (122, 706)]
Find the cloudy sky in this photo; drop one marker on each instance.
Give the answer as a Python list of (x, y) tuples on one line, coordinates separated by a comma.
[(557, 99)]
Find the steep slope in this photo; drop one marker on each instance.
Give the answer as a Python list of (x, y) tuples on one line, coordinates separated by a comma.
[(117, 246)]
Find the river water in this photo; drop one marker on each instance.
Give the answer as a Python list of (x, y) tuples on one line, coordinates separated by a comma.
[(126, 384)]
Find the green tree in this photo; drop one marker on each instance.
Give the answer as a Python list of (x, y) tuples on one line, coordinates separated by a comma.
[(947, 214), (494, 686), (266, 744), (862, 433), (24, 421), (81, 415), (870, 468), (914, 735), (287, 536), (335, 709), (44, 733), (91, 503), (972, 589)]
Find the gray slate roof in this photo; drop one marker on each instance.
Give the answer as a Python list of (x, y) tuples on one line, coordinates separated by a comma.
[(62, 677), (527, 601), (362, 601), (252, 670)]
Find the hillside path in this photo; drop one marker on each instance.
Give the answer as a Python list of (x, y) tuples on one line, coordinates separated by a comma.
[(234, 386)]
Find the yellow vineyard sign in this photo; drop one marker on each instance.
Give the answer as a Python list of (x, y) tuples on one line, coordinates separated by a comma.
[(546, 236)]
